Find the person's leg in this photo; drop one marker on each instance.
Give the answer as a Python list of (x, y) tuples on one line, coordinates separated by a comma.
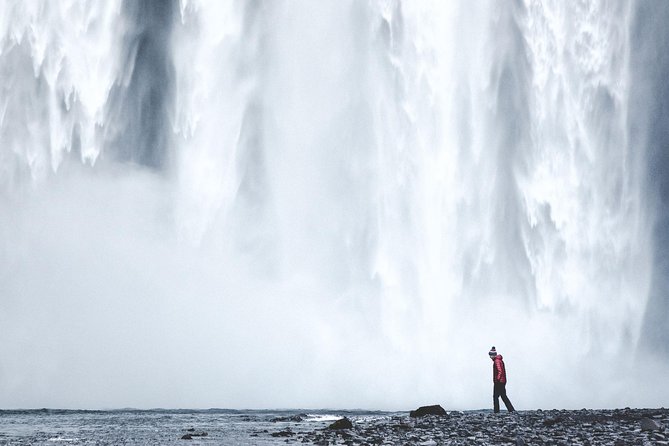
[(507, 402), (495, 397)]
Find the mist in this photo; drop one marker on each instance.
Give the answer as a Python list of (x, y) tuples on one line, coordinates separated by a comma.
[(331, 205)]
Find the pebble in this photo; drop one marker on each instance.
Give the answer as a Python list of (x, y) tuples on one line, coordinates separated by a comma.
[(563, 427)]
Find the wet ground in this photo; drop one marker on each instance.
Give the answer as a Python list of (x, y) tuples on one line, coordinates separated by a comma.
[(164, 427)]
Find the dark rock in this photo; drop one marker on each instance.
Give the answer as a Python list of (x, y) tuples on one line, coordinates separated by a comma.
[(194, 434), (293, 418), (427, 410), (192, 429), (286, 433), (344, 423), (650, 425), (552, 421), (345, 435)]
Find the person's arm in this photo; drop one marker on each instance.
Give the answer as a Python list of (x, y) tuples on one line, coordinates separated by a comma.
[(498, 367)]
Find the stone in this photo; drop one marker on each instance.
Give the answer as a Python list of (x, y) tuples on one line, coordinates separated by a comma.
[(196, 434), (187, 437), (427, 410), (343, 423), (552, 421), (293, 418), (286, 433), (611, 427), (650, 425)]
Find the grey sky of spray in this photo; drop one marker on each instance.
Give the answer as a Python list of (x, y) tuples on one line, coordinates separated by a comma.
[(332, 204)]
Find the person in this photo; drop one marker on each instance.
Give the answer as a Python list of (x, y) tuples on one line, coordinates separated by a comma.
[(499, 381)]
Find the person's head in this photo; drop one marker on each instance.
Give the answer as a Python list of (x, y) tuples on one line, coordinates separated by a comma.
[(492, 353)]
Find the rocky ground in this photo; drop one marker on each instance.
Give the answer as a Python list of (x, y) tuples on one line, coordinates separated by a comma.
[(555, 427)]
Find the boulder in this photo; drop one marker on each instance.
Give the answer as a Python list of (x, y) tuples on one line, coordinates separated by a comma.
[(191, 433), (552, 421), (650, 425), (427, 410), (343, 423), (286, 433), (294, 418)]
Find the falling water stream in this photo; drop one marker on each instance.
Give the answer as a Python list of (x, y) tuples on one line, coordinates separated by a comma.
[(345, 203)]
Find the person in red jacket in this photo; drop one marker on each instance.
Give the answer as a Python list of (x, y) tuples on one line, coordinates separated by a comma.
[(499, 381)]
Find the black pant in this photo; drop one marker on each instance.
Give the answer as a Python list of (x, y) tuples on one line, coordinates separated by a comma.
[(500, 390)]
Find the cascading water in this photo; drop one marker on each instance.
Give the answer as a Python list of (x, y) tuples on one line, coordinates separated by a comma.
[(318, 204)]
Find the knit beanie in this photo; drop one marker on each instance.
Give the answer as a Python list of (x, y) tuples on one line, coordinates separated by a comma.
[(492, 353)]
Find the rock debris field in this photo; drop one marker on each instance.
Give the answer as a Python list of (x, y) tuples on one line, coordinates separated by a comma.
[(551, 427)]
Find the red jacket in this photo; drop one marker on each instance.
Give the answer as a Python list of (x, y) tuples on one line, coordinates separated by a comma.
[(498, 370)]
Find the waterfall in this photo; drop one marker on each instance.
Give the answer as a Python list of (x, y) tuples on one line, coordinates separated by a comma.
[(328, 204)]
